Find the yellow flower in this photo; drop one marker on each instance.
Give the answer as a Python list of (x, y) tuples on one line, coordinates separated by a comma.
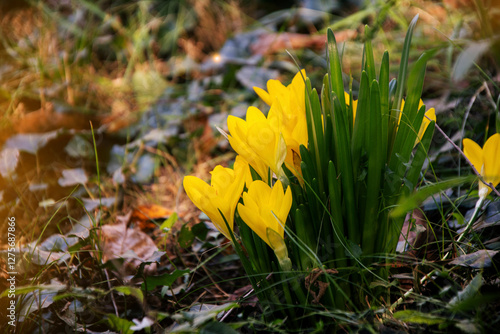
[(293, 110), (259, 140), (265, 208), (238, 139), (486, 160), (347, 98), (223, 194), (431, 113)]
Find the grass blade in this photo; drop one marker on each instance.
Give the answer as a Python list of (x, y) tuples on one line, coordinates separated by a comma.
[(376, 161)]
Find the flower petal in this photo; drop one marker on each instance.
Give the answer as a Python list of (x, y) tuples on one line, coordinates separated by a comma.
[(221, 178), (253, 220), (204, 197), (238, 139), (263, 141), (276, 88), (431, 113), (491, 156), (260, 191), (474, 153), (286, 204), (347, 98), (265, 208), (264, 95), (254, 115), (241, 167)]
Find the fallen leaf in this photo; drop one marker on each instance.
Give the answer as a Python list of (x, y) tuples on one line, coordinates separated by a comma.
[(151, 212), (467, 58), (41, 257), (79, 147), (30, 123), (477, 260), (118, 176), (470, 291), (145, 214), (30, 143), (206, 141), (8, 161), (73, 176), (154, 137), (39, 298), (276, 42), (197, 316), (414, 235), (133, 245)]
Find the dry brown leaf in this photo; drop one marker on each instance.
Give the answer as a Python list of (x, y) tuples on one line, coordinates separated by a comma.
[(459, 4), (275, 42), (417, 236), (117, 240), (29, 122)]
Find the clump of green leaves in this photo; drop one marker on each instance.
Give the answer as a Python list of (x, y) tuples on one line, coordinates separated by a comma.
[(362, 157)]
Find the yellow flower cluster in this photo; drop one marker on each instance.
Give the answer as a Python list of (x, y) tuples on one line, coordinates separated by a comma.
[(264, 143)]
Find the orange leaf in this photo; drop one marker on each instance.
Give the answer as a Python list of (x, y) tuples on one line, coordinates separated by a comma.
[(145, 214)]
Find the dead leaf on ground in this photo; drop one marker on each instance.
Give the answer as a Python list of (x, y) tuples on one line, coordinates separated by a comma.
[(73, 176), (133, 245), (47, 119), (415, 236), (275, 42), (145, 214), (151, 212), (477, 260)]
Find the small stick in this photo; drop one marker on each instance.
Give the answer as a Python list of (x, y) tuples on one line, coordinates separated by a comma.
[(112, 297)]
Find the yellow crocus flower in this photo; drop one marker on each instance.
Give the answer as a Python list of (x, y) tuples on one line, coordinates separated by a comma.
[(238, 139), (266, 208), (485, 160), (223, 194), (293, 115), (259, 139)]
